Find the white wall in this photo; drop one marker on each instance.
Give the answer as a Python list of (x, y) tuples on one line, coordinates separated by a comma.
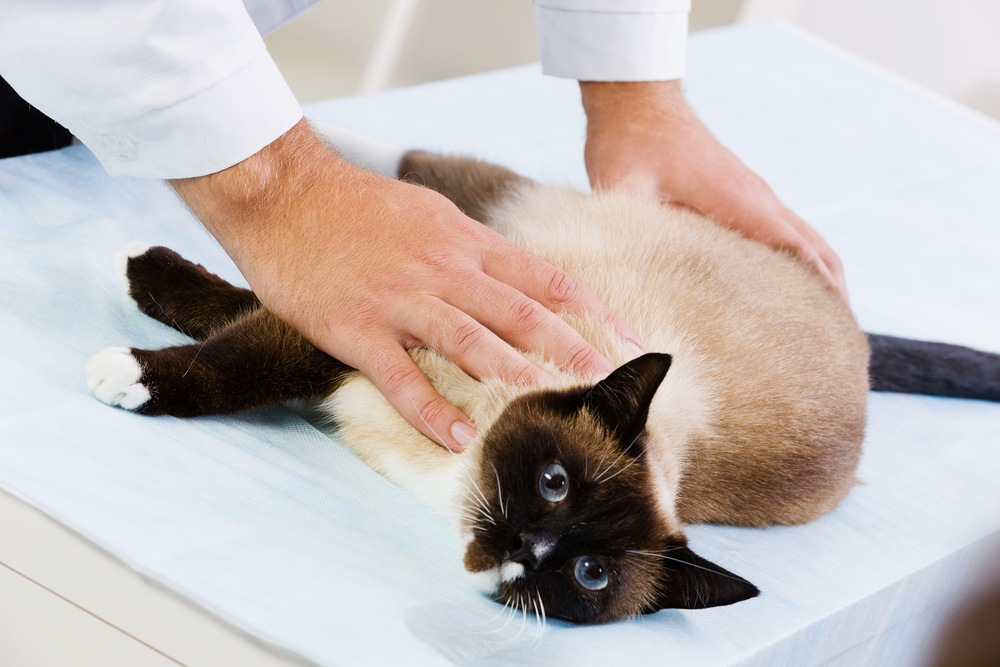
[(951, 46)]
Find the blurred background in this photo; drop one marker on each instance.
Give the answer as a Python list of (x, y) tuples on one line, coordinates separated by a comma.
[(347, 47)]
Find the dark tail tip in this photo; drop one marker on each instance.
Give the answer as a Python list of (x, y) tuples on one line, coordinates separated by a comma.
[(937, 369)]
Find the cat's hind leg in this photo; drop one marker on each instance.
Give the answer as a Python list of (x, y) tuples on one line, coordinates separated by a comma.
[(179, 293), (472, 185), (254, 361)]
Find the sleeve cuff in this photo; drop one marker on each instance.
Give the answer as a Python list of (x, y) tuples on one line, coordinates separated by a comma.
[(205, 133), (613, 46)]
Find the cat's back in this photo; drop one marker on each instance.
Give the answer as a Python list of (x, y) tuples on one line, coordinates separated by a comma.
[(764, 407)]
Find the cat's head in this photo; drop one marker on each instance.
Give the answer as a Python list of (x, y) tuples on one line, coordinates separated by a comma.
[(564, 516)]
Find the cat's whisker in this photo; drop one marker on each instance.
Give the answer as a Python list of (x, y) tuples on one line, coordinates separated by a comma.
[(689, 564), (477, 506), (473, 510), (482, 514), (538, 619), (500, 613), (657, 552), (479, 494), (541, 606), (499, 494), (513, 611), (431, 428), (597, 479), (515, 607), (480, 498), (623, 469), (474, 520), (191, 365), (605, 471), (601, 462), (172, 319), (477, 503), (524, 614)]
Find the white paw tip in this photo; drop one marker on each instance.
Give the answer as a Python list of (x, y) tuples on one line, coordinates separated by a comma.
[(113, 377), (124, 254)]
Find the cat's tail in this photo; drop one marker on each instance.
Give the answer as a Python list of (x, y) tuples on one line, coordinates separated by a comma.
[(938, 369)]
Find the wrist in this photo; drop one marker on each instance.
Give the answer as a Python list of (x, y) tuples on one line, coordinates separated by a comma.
[(253, 200), (631, 100)]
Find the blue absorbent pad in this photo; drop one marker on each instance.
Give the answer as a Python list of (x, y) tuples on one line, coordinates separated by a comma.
[(283, 532)]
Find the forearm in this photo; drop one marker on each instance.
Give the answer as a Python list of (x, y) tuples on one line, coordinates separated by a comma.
[(249, 205), (616, 97), (639, 106)]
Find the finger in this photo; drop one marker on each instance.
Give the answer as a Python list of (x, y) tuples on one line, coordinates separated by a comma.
[(808, 252), (826, 253), (523, 322), (393, 372), (479, 351), (552, 288), (772, 223)]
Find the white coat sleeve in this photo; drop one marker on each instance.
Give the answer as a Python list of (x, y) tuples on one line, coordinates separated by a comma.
[(613, 40), (155, 88)]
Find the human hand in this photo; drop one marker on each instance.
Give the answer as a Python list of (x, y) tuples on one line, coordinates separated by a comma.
[(366, 267), (644, 137)]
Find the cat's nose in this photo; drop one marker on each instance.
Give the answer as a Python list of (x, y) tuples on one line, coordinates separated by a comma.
[(532, 548)]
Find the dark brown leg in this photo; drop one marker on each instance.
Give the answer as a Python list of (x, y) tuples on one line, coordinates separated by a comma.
[(180, 293), (256, 361)]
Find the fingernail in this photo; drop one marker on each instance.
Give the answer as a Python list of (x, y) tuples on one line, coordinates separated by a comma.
[(463, 433)]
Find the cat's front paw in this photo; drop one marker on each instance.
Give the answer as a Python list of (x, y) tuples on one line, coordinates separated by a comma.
[(113, 377), (121, 261)]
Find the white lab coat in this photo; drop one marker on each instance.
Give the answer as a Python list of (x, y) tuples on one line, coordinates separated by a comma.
[(180, 88)]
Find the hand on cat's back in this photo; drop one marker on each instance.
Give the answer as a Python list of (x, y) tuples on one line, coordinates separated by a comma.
[(366, 267), (644, 137)]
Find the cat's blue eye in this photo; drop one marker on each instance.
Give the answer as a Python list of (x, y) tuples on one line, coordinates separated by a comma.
[(590, 573), (553, 483)]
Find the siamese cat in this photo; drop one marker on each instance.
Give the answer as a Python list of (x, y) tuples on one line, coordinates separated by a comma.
[(749, 409)]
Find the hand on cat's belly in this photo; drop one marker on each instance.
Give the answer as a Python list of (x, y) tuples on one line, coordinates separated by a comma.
[(366, 267), (663, 151)]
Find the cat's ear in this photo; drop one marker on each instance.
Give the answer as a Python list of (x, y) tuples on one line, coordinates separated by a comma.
[(621, 401), (691, 582)]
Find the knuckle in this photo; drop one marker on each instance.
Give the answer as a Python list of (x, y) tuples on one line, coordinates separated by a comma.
[(397, 379), (527, 315), (433, 412), (561, 288), (523, 374), (466, 337), (584, 356), (438, 259)]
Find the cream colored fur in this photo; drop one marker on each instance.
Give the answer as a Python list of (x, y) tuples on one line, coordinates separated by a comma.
[(761, 415)]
